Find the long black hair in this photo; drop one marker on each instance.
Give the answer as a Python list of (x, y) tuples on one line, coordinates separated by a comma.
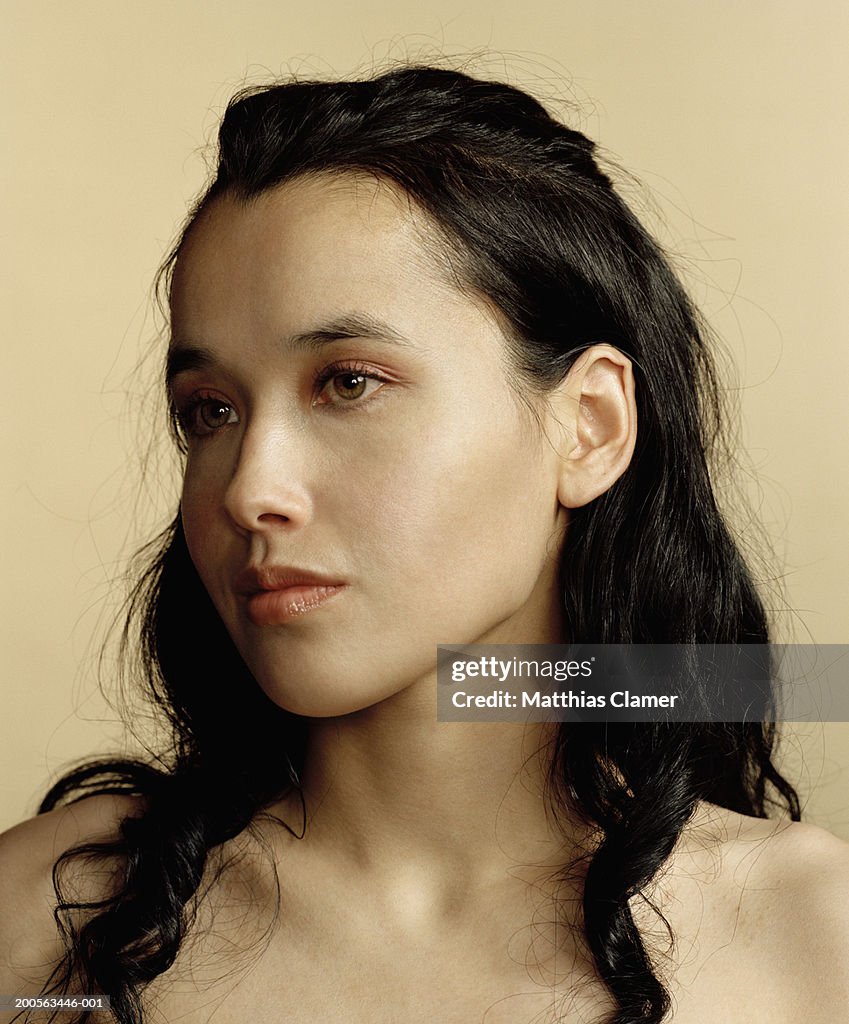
[(528, 219)]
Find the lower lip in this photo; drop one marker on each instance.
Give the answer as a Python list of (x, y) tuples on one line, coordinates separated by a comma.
[(273, 607)]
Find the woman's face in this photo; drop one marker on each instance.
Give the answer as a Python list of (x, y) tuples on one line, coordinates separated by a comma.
[(362, 482)]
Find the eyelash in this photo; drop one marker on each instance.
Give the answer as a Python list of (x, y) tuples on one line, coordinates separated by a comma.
[(186, 418), (355, 369)]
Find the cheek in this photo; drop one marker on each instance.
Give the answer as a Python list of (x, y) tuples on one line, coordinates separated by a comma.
[(472, 505), (198, 514)]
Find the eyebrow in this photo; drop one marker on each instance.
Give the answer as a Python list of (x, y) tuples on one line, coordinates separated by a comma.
[(351, 325), (184, 358)]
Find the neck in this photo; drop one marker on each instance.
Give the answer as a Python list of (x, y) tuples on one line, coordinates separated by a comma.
[(393, 793), (395, 797)]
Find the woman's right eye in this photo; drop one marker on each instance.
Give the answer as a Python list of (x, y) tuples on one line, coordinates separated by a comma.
[(205, 415)]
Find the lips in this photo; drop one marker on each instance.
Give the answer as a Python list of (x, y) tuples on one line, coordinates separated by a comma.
[(277, 594)]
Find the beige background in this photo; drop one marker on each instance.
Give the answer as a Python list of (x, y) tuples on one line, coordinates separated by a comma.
[(732, 114)]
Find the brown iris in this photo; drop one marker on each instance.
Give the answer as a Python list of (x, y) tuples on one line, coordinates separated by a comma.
[(349, 385), (214, 414)]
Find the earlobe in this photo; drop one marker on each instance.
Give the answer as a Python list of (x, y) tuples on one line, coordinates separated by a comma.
[(600, 425)]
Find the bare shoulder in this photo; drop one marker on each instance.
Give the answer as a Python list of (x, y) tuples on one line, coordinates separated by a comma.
[(791, 857), (803, 878), (772, 912), (29, 938)]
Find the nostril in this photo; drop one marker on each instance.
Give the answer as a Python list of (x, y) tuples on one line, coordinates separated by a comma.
[(261, 494)]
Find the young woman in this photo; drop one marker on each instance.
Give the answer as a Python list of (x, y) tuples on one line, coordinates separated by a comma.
[(433, 383)]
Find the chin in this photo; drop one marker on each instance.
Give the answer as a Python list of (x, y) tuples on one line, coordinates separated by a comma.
[(322, 695)]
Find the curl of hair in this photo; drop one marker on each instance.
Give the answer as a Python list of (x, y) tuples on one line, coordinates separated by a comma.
[(529, 220)]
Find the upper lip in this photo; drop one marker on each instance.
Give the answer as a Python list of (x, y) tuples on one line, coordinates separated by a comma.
[(257, 578)]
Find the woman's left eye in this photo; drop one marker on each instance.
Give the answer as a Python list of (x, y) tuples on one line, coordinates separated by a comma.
[(342, 386)]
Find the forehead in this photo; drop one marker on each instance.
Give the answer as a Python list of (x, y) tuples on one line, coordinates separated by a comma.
[(343, 239)]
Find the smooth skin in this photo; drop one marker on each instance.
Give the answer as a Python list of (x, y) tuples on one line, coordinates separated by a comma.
[(434, 496), (407, 463)]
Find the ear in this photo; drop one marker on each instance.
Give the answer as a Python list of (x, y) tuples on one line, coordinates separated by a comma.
[(596, 411)]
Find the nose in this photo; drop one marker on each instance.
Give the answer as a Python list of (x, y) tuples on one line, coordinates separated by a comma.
[(267, 490)]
